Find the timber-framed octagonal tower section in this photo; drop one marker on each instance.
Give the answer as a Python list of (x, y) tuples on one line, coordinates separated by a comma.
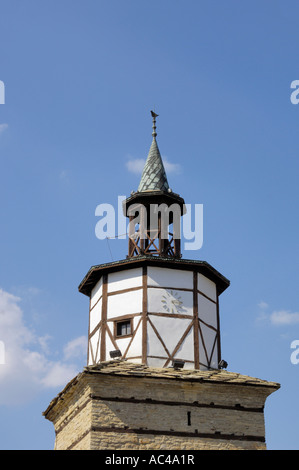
[(155, 311)]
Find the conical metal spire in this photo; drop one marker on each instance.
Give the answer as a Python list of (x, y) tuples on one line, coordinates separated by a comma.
[(154, 176)]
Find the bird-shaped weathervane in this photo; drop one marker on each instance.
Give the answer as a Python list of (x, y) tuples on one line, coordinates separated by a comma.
[(154, 115)]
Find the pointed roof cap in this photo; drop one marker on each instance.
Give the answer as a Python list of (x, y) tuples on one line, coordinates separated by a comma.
[(154, 176), (153, 187)]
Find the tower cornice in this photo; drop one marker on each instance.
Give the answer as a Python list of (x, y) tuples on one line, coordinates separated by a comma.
[(97, 271)]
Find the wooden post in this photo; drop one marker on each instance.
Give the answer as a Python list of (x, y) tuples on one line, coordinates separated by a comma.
[(195, 322), (144, 315), (218, 332), (104, 319), (142, 228), (161, 240)]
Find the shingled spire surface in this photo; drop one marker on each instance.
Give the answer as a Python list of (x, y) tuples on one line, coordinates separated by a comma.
[(153, 177)]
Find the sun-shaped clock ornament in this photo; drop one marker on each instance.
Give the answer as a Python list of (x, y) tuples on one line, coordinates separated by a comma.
[(171, 302)]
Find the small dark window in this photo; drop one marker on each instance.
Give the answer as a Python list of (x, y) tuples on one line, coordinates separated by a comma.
[(123, 328), (189, 418)]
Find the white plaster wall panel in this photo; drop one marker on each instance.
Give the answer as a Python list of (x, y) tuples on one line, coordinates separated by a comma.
[(209, 338), (136, 322), (186, 351), (95, 315), (94, 343), (154, 345), (215, 360), (135, 347), (189, 365), (109, 345), (89, 355), (124, 279), (136, 360), (207, 311), (202, 358), (122, 344), (156, 362), (166, 277), (97, 353), (96, 292), (170, 329), (170, 301), (206, 286), (124, 304)]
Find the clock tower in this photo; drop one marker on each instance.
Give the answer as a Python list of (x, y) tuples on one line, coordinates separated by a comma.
[(154, 307), (155, 377)]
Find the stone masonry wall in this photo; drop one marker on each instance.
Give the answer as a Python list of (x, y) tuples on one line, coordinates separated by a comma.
[(106, 411), (116, 441)]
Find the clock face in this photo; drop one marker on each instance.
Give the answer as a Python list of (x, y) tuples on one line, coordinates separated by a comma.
[(171, 302)]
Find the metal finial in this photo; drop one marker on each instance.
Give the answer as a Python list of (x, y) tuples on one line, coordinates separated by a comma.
[(154, 115)]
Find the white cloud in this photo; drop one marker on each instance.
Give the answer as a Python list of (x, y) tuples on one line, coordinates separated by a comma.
[(284, 317), (3, 127), (58, 375), (27, 368), (277, 317), (75, 348), (174, 168), (63, 175), (136, 165), (263, 305), (44, 343)]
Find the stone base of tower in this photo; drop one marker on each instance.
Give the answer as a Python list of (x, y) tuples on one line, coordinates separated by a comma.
[(119, 405)]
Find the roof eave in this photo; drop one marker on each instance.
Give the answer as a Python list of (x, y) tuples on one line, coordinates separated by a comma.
[(95, 272)]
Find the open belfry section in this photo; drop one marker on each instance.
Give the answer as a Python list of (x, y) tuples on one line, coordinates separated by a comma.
[(155, 377)]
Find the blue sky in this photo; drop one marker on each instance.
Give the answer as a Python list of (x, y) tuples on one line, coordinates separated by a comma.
[(80, 81)]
